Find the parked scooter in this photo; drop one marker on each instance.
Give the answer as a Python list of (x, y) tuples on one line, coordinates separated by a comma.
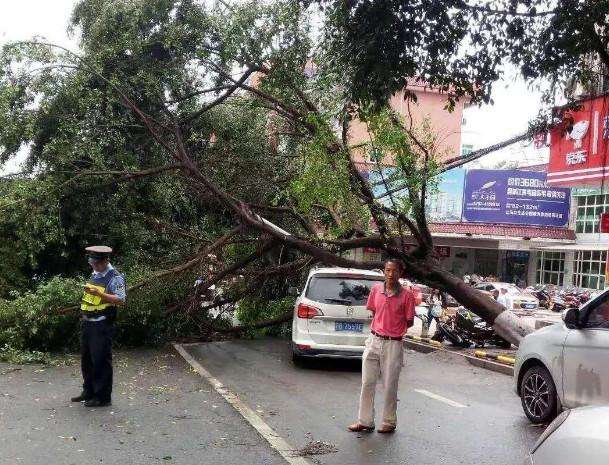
[(542, 294), (467, 328)]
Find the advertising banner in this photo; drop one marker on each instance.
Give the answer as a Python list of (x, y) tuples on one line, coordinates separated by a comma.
[(514, 197), (579, 148), (445, 201)]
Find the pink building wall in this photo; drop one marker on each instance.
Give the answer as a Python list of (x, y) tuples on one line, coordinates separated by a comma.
[(430, 104)]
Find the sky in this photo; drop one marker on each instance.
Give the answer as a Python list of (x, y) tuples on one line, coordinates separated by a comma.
[(24, 19), (514, 104)]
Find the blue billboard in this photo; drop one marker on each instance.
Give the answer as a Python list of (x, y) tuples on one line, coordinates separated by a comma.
[(514, 197)]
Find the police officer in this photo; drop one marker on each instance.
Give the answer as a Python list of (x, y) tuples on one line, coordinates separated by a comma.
[(104, 292)]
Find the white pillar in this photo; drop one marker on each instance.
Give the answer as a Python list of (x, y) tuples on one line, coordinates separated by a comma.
[(532, 268), (569, 268)]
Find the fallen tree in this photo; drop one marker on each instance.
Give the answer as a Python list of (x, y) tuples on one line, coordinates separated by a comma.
[(192, 65)]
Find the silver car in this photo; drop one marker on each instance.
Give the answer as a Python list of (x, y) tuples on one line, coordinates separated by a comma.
[(565, 365), (578, 436), (515, 299)]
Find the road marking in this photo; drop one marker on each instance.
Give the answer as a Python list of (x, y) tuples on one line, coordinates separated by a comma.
[(268, 433), (440, 398)]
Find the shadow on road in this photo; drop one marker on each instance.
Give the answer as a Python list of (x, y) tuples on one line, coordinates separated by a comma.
[(330, 364)]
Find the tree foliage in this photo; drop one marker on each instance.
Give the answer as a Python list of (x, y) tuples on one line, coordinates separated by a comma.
[(219, 134), (462, 47)]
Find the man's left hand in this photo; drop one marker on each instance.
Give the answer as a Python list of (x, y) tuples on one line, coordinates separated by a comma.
[(94, 291)]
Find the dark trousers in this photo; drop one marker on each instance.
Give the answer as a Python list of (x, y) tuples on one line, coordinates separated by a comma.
[(96, 358)]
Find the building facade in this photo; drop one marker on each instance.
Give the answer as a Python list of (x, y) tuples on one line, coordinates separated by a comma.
[(578, 159)]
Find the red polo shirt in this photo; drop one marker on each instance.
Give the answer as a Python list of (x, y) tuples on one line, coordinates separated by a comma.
[(393, 315)]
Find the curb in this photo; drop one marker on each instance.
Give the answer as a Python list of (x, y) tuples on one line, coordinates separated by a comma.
[(500, 358), (275, 441), (419, 346), (490, 365), (426, 340), (417, 343)]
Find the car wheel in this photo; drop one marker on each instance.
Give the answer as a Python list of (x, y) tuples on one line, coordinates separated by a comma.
[(538, 395), (298, 360)]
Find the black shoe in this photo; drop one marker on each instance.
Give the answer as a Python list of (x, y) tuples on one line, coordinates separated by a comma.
[(83, 396), (97, 403)]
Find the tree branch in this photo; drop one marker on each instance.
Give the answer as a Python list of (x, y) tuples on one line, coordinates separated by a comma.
[(223, 97), (307, 226), (196, 93), (191, 263), (263, 324)]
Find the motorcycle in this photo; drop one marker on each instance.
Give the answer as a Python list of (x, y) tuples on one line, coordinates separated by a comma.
[(466, 328), (542, 294), (559, 304)]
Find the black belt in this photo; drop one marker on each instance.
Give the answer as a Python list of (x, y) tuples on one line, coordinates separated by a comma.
[(387, 338)]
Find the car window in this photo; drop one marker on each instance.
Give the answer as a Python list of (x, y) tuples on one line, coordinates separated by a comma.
[(598, 316), (513, 290), (339, 290)]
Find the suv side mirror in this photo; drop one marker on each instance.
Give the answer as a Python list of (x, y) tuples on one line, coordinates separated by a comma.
[(571, 318), (293, 291)]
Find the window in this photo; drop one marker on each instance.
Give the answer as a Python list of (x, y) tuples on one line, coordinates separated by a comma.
[(466, 149), (590, 269), (598, 317), (589, 209), (550, 268), (339, 290)]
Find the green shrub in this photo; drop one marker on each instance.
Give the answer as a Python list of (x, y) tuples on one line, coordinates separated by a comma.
[(30, 320), (255, 309), (31, 326)]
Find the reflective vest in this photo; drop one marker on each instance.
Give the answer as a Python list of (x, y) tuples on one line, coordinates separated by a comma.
[(92, 305)]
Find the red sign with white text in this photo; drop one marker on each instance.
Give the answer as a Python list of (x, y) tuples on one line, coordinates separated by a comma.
[(604, 225), (579, 153)]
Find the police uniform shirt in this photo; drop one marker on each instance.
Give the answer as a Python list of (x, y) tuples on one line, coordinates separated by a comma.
[(116, 285)]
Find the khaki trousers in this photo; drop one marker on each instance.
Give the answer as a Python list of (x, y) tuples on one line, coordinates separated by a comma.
[(382, 358)]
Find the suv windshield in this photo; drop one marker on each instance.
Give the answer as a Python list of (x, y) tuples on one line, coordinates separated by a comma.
[(340, 290), (513, 290)]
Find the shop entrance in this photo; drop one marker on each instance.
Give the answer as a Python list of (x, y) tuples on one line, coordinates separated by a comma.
[(515, 267), (486, 262)]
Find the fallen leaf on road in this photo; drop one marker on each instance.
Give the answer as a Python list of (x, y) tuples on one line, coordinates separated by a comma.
[(316, 448), (10, 370)]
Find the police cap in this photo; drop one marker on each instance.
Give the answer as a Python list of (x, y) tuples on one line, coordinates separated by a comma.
[(98, 252)]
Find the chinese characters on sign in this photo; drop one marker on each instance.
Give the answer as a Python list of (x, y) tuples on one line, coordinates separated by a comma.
[(514, 197), (575, 158)]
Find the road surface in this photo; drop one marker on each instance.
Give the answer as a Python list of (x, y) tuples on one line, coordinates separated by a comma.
[(162, 413), (449, 411)]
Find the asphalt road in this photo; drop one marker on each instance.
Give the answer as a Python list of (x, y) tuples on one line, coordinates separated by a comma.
[(449, 411), (162, 413)]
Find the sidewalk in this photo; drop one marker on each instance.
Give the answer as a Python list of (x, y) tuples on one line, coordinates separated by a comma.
[(162, 413)]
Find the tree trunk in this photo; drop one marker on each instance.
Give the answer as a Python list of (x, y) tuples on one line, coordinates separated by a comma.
[(508, 326)]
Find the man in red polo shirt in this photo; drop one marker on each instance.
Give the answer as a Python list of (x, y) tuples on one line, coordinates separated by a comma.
[(393, 309)]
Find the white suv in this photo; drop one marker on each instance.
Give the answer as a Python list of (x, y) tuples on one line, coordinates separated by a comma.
[(565, 365), (330, 316)]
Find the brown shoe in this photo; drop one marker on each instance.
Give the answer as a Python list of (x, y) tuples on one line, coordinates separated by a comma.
[(386, 429), (358, 427)]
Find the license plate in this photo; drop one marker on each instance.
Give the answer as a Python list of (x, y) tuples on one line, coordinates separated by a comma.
[(348, 326), (529, 305)]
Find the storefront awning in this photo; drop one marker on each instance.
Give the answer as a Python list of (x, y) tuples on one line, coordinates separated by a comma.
[(503, 230), (562, 248)]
